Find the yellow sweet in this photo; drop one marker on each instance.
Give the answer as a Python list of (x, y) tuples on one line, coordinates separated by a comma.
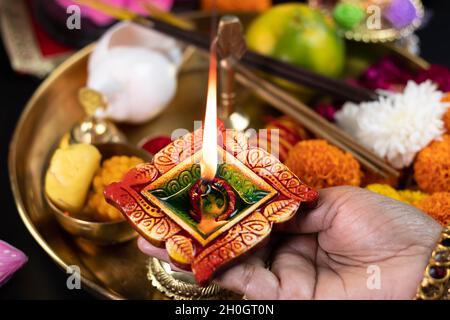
[(112, 170), (70, 174), (102, 210)]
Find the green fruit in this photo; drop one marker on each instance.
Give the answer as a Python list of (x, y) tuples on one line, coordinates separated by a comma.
[(299, 35), (348, 15)]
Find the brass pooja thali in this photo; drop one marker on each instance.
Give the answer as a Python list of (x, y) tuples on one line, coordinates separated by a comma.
[(118, 271)]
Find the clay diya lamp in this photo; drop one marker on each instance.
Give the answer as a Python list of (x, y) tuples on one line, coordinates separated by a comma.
[(206, 225), (209, 197)]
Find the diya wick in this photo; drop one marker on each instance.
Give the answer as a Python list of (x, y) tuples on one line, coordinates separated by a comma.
[(212, 203), (231, 47), (92, 130), (211, 198)]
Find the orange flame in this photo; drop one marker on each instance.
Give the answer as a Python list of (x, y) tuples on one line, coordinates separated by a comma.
[(208, 163)]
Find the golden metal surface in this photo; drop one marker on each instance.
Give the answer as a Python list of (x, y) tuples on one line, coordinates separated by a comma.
[(436, 285), (94, 130), (91, 100), (119, 271), (179, 287)]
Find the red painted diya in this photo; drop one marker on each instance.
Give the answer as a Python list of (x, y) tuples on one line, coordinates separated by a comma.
[(205, 225)]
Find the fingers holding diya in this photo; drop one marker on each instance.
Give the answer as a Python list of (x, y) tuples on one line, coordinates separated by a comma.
[(207, 223)]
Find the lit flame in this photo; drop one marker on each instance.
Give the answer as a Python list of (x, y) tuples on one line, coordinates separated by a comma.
[(208, 163)]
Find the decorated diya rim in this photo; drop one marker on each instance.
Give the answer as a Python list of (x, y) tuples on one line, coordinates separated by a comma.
[(189, 162), (362, 34), (150, 218)]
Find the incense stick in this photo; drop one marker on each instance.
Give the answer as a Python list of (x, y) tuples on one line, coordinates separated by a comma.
[(312, 121), (333, 87), (301, 107), (269, 92)]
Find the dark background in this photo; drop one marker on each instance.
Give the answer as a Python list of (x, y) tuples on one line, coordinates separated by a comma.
[(41, 278)]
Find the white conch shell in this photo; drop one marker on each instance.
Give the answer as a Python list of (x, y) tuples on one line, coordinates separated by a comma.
[(136, 69), (129, 34)]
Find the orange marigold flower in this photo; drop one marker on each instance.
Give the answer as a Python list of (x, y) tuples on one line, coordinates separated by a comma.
[(227, 5), (437, 206), (432, 166), (321, 165)]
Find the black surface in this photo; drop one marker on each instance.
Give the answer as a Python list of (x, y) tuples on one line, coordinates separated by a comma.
[(41, 278), (52, 19)]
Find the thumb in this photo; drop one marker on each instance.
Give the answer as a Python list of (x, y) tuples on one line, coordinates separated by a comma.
[(250, 277), (322, 216)]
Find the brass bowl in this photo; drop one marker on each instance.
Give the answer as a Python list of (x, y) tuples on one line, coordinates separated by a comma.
[(101, 233)]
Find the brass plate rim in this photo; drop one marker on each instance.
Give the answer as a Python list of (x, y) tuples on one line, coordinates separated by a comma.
[(12, 170)]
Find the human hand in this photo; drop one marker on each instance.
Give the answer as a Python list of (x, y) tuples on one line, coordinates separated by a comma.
[(326, 253)]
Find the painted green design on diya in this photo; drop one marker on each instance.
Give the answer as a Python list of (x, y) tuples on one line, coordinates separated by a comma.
[(247, 190), (206, 210), (175, 193)]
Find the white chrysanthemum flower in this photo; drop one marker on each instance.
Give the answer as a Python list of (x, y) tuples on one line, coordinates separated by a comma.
[(398, 125)]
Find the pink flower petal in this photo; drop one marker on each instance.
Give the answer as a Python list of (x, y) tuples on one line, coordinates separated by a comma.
[(385, 74), (436, 73), (11, 260), (326, 110)]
